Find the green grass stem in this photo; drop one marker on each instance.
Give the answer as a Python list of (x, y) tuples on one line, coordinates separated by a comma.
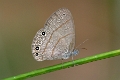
[(65, 65)]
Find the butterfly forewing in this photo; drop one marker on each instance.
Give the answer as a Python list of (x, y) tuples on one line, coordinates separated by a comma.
[(56, 39)]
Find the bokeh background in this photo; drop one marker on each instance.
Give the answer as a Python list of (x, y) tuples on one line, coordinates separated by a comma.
[(96, 20)]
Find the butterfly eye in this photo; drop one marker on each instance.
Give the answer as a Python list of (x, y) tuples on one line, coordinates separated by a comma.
[(43, 33), (37, 48), (36, 54)]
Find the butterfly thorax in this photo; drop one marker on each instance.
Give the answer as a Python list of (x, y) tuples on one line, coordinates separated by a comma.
[(69, 54)]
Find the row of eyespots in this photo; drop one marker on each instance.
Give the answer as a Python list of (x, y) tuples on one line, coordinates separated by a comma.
[(37, 48)]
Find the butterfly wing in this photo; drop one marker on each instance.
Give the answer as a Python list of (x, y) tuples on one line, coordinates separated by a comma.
[(56, 39)]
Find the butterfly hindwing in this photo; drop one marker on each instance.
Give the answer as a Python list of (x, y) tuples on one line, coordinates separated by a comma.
[(56, 39)]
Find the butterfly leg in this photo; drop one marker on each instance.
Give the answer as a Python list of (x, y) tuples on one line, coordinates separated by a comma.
[(62, 62), (73, 60)]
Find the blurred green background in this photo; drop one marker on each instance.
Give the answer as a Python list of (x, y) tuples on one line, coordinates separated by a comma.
[(96, 20)]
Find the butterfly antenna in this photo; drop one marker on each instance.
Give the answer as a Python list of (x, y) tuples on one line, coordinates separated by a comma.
[(82, 43)]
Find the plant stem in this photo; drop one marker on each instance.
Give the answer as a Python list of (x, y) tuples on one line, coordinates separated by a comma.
[(65, 65)]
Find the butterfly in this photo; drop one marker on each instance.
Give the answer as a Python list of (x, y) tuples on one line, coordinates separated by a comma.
[(56, 40)]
